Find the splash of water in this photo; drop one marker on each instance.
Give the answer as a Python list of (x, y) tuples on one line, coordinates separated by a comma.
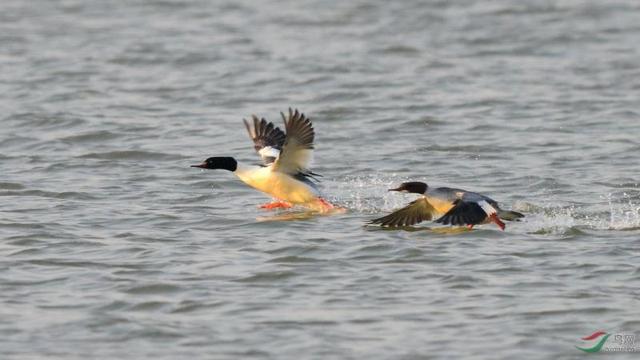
[(369, 194), (616, 213), (624, 213)]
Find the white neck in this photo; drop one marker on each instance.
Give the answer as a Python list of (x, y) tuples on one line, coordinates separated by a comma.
[(245, 171)]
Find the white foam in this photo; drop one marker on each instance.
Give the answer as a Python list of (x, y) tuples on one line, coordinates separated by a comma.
[(369, 194), (616, 213), (624, 213)]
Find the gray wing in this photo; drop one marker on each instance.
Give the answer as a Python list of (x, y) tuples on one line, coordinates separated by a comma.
[(417, 211), (268, 139)]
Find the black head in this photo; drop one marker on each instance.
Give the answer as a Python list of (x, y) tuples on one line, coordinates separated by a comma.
[(219, 162), (412, 187)]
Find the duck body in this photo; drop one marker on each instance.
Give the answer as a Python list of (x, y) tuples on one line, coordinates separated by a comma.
[(292, 189), (284, 174), (448, 206), (442, 198)]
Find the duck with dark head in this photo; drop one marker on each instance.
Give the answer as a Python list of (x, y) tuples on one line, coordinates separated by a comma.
[(448, 206), (219, 162), (286, 156)]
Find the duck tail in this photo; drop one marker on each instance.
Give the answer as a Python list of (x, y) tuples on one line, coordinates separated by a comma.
[(510, 215)]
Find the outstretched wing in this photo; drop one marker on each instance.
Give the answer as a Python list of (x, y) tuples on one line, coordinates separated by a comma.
[(298, 145), (467, 213), (267, 138), (417, 211)]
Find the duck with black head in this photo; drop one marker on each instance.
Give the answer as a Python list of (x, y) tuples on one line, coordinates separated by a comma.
[(286, 156), (449, 206)]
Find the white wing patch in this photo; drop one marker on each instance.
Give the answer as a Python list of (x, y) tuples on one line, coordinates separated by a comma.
[(490, 210), (268, 151)]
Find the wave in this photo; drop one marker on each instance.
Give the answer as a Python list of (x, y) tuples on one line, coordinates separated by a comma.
[(130, 155)]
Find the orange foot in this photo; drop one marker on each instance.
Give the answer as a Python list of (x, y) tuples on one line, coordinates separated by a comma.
[(324, 206), (494, 218), (470, 226), (276, 205)]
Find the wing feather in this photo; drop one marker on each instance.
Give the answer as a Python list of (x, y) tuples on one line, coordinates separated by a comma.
[(463, 213), (298, 144), (268, 139), (417, 211)]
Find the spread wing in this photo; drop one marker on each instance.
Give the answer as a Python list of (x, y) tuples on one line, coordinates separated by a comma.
[(298, 144), (417, 211), (467, 213), (267, 138)]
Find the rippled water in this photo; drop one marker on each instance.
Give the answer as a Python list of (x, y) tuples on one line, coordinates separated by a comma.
[(112, 247)]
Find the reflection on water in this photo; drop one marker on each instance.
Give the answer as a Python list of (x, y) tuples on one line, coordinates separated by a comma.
[(300, 215)]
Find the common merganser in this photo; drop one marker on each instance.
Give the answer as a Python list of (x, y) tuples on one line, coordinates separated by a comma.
[(285, 174), (448, 206)]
